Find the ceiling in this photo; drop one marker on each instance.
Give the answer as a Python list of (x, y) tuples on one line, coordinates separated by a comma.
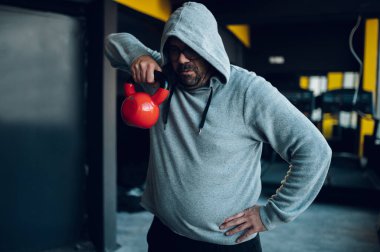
[(257, 12)]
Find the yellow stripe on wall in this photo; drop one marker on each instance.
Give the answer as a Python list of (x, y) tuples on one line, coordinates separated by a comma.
[(371, 55), (371, 49), (242, 32), (159, 9), (304, 82), (334, 80), (328, 124), (367, 127)]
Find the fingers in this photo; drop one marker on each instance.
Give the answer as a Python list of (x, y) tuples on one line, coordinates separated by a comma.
[(142, 73), (149, 74), (238, 229), (245, 236), (234, 217), (233, 221), (142, 69), (135, 72)]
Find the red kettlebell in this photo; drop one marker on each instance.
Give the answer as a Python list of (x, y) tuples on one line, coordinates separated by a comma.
[(141, 110)]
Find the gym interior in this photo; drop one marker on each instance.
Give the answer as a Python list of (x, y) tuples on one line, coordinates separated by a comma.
[(72, 172)]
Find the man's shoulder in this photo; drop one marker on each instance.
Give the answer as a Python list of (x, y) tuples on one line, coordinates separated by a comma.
[(241, 70), (243, 77)]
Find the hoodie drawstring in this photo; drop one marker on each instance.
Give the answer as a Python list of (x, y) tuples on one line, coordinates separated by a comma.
[(167, 110), (204, 114)]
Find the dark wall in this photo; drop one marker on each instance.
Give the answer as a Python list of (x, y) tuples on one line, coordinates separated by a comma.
[(41, 130), (308, 48)]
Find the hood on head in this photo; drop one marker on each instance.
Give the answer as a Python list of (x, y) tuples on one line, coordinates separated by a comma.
[(196, 26)]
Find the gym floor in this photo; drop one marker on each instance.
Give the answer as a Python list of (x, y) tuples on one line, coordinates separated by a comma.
[(323, 227), (345, 217)]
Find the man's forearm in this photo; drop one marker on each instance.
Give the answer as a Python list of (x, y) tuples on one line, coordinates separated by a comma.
[(122, 49)]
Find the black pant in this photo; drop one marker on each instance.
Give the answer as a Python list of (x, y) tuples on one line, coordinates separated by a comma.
[(161, 238)]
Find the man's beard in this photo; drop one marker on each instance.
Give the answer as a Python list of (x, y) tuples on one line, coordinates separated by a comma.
[(187, 80)]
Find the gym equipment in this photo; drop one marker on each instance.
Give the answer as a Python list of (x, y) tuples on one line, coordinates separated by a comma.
[(140, 109), (342, 100)]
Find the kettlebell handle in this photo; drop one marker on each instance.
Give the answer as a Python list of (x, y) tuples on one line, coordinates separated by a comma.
[(161, 79), (158, 77)]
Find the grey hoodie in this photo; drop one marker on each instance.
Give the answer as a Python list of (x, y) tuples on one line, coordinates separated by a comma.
[(194, 180)]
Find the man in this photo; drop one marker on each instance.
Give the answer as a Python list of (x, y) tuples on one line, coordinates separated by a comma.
[(203, 179)]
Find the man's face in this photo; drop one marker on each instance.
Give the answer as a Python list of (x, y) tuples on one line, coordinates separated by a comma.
[(192, 69)]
